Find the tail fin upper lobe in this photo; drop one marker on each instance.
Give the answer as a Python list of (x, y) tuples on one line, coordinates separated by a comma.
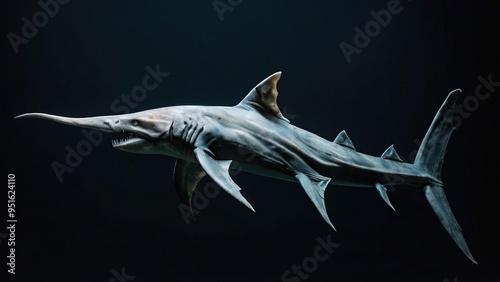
[(430, 157)]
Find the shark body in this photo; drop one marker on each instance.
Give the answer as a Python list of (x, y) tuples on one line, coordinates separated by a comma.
[(207, 140)]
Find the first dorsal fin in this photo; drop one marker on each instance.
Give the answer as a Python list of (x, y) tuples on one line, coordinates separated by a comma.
[(265, 95), (344, 140)]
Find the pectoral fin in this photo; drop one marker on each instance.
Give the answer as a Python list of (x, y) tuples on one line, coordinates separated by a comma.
[(218, 170), (315, 189), (186, 176)]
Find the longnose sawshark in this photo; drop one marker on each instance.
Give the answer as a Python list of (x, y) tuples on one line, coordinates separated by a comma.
[(209, 139)]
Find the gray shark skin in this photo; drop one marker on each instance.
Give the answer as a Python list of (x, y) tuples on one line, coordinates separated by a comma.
[(207, 140)]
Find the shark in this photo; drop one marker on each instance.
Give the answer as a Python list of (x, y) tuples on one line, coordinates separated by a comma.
[(209, 140)]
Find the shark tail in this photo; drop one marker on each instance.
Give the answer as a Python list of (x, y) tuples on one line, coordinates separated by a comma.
[(430, 157)]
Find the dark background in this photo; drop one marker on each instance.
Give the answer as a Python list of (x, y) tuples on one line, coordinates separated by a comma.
[(118, 209)]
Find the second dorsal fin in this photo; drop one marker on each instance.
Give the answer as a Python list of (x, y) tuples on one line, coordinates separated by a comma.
[(391, 154), (344, 140)]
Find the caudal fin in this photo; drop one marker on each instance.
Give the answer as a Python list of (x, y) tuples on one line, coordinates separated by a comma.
[(430, 157)]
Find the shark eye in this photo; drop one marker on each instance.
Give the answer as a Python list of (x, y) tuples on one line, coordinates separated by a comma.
[(135, 122)]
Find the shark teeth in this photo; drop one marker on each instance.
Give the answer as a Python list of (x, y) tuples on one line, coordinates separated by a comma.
[(121, 141)]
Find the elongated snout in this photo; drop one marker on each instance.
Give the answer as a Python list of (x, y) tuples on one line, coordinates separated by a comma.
[(102, 123)]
